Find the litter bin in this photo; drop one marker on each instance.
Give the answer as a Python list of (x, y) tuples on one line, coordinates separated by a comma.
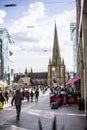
[(81, 103)]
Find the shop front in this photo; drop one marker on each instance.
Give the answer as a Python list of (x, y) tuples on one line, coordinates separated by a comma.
[(73, 88)]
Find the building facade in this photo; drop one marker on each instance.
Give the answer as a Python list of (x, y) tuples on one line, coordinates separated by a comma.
[(35, 78), (56, 67), (73, 38), (5, 42), (82, 47)]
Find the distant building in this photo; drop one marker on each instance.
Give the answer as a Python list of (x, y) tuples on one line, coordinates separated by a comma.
[(17, 77), (73, 38), (56, 67), (71, 74), (24, 82), (36, 78), (39, 78), (56, 75)]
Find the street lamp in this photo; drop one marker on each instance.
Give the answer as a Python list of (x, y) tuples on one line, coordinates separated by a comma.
[(9, 5), (53, 76), (53, 68), (30, 26)]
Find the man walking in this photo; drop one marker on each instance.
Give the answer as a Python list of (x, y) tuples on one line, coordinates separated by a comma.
[(17, 98), (36, 95)]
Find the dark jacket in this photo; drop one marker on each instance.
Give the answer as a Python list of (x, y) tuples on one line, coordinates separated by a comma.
[(17, 98), (36, 93), (2, 99)]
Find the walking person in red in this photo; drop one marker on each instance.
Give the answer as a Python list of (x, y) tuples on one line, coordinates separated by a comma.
[(27, 94), (17, 98)]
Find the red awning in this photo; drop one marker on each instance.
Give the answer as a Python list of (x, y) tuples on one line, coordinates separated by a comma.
[(73, 80)]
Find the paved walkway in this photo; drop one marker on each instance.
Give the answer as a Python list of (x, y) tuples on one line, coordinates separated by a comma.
[(68, 117)]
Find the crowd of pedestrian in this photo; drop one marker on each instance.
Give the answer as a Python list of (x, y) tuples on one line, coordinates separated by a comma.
[(28, 94), (4, 96), (24, 94), (31, 95), (64, 91)]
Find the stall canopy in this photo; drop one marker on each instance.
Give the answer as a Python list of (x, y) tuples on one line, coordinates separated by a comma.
[(73, 80)]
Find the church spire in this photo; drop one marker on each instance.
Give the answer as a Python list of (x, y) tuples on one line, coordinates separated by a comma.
[(56, 50), (49, 61)]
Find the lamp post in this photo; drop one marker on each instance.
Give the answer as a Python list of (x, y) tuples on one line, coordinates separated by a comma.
[(30, 26), (9, 5), (53, 76)]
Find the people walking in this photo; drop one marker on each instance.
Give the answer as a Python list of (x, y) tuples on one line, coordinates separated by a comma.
[(27, 94), (17, 98), (6, 96), (36, 95), (23, 93), (32, 94)]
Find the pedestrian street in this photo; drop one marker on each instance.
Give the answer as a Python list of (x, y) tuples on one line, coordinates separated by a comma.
[(67, 117)]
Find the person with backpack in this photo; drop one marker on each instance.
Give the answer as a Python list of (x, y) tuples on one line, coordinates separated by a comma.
[(36, 95), (17, 98)]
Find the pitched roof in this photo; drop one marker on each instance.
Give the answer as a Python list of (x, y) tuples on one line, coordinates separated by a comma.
[(39, 75), (25, 80)]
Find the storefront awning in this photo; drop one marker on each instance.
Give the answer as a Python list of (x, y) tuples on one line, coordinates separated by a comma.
[(73, 80)]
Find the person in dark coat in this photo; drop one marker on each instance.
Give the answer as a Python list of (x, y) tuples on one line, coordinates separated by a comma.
[(6, 96), (36, 95), (17, 98), (32, 94), (2, 99)]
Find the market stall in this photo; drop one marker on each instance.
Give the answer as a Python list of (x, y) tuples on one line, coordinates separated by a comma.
[(68, 94), (57, 98), (73, 88)]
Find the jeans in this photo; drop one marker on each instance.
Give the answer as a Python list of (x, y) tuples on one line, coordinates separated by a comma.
[(18, 110)]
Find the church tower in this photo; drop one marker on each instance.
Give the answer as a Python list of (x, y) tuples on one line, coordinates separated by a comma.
[(56, 67)]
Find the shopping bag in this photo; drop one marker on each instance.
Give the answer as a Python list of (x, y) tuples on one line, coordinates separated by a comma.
[(1, 105)]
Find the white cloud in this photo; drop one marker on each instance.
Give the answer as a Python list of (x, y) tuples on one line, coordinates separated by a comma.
[(36, 10), (34, 14), (2, 16), (33, 41)]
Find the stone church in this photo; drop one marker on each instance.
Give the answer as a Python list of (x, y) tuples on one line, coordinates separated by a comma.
[(56, 67)]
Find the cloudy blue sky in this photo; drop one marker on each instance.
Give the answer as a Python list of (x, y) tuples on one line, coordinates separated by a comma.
[(33, 45)]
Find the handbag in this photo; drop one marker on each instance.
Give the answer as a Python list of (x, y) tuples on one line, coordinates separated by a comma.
[(1, 105)]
